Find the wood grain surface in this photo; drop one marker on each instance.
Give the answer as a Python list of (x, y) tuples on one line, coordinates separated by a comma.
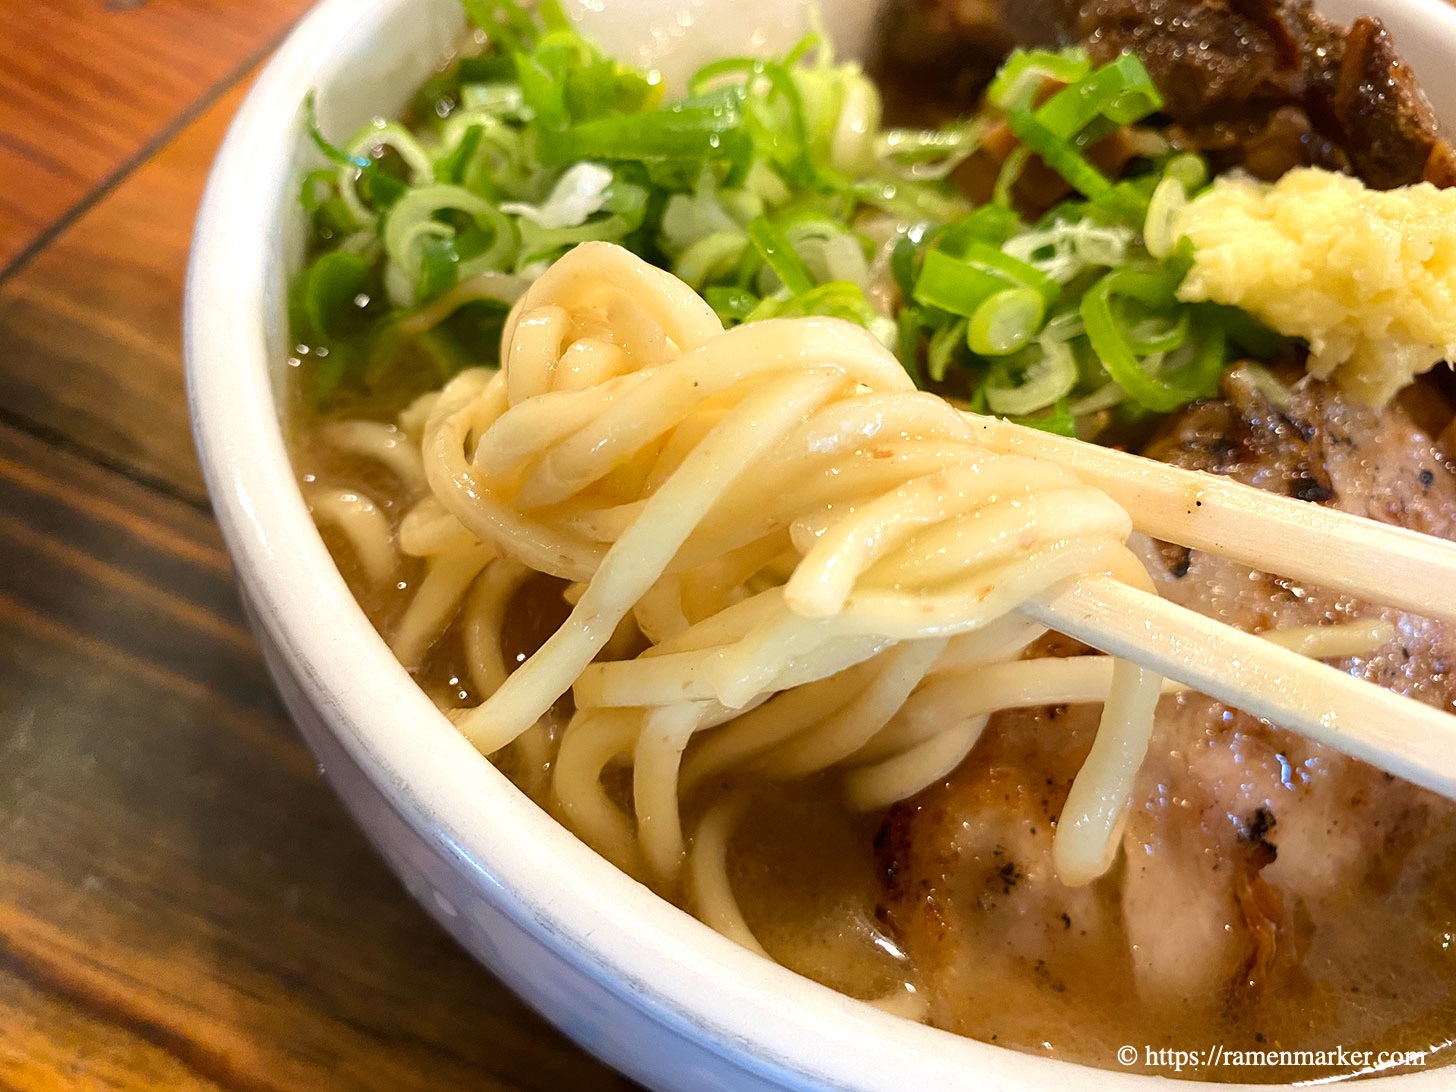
[(88, 88), (183, 902)]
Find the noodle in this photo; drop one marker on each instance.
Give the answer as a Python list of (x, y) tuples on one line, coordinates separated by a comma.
[(783, 560), (799, 536), (383, 443), (436, 601), (362, 524)]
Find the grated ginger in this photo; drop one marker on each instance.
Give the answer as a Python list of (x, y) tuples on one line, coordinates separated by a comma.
[(1367, 278)]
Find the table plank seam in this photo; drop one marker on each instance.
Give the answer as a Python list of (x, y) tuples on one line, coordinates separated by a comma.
[(55, 438), (137, 159)]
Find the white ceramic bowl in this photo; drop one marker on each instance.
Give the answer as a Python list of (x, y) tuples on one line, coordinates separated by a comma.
[(632, 979)]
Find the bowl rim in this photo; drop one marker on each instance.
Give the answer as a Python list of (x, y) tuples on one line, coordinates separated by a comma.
[(652, 956)]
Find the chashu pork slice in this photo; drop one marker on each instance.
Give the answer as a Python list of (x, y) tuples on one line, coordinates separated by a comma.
[(1268, 887)]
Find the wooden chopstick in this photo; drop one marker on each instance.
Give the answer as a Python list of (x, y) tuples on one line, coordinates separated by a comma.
[(1399, 735), (1381, 563)]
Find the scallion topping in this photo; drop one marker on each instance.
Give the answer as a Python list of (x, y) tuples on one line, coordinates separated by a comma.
[(749, 187), (772, 188)]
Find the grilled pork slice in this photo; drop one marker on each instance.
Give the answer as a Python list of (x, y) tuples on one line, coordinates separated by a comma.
[(1268, 887), (1271, 85), (1264, 84)]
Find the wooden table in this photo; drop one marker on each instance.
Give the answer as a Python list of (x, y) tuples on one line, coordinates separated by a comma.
[(183, 902)]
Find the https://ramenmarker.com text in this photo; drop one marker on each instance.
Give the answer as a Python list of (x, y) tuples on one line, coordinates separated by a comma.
[(1335, 1058)]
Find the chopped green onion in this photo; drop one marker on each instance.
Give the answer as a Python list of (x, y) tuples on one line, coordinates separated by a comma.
[(710, 257), (1248, 333), (902, 263), (379, 136), (777, 118), (693, 131), (1168, 198), (953, 285), (1009, 175), (830, 250), (961, 285), (626, 205), (929, 153), (774, 248), (907, 343), (1005, 321), (496, 99), (1189, 169), (1025, 71), (1267, 384), (331, 288), (837, 299), (1158, 333), (731, 304), (995, 260), (1091, 107), (990, 224), (1172, 387), (507, 23), (1049, 374), (412, 220), (942, 347), (1103, 398), (494, 288), (1059, 155), (753, 189), (330, 151), (451, 168), (1122, 92), (907, 200), (438, 268), (1058, 419)]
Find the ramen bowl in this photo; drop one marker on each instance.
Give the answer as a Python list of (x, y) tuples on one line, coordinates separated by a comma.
[(633, 979)]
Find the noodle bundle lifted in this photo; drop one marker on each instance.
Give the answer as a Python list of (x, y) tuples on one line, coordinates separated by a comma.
[(770, 511), (768, 533), (786, 563)]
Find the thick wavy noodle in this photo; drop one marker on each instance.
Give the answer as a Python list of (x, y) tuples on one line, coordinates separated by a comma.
[(783, 560)]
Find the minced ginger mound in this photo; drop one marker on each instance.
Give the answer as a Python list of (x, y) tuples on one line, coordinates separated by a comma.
[(1367, 277)]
